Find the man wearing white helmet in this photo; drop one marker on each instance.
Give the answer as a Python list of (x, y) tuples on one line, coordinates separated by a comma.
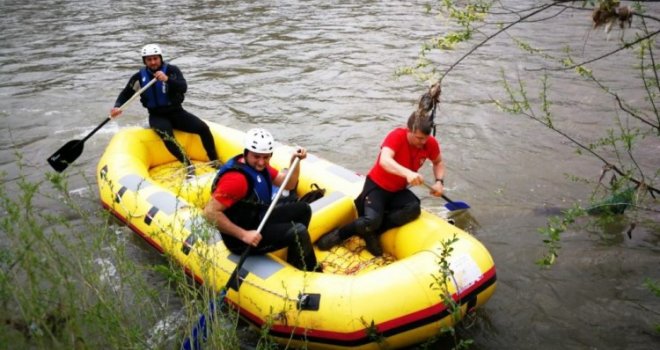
[(241, 194), (163, 101)]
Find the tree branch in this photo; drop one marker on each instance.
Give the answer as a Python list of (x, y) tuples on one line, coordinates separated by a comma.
[(474, 48), (655, 73), (637, 182), (625, 46)]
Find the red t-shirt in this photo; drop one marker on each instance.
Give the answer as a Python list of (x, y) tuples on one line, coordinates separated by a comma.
[(405, 154), (233, 186)]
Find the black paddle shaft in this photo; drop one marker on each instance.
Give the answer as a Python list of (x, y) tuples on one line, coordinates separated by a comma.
[(451, 205), (233, 282), (233, 279), (68, 153)]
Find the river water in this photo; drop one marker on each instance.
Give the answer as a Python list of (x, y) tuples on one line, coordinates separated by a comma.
[(321, 74)]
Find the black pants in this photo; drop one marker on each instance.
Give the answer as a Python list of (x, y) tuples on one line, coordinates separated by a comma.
[(380, 210), (286, 227), (164, 123)]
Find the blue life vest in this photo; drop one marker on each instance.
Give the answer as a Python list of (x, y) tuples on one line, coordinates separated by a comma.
[(250, 210), (156, 95)]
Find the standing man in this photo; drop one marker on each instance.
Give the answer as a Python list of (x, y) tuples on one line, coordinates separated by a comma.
[(385, 201), (240, 197), (163, 101)]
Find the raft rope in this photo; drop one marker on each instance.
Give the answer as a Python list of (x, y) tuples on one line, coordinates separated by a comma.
[(281, 296), (349, 258), (181, 172)]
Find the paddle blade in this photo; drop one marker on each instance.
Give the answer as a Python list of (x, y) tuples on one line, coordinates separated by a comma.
[(64, 156), (452, 206)]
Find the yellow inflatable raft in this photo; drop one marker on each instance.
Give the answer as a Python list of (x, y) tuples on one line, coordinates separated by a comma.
[(358, 302)]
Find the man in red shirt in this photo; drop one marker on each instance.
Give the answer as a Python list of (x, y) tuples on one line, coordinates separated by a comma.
[(385, 201), (241, 194)]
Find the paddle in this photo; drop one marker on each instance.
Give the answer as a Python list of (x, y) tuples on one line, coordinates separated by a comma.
[(68, 153), (451, 205), (200, 329)]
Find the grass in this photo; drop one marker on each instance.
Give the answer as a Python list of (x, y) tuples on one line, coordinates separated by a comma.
[(71, 280)]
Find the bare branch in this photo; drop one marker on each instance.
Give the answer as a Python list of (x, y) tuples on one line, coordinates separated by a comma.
[(623, 47), (655, 72), (613, 167), (483, 42)]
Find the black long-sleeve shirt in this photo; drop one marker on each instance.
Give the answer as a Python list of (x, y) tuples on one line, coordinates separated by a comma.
[(176, 89)]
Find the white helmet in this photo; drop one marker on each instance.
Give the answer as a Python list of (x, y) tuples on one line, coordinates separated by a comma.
[(259, 140), (151, 50)]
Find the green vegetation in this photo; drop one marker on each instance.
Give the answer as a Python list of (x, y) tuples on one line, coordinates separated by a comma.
[(626, 190), (69, 282), (62, 287), (443, 280)]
